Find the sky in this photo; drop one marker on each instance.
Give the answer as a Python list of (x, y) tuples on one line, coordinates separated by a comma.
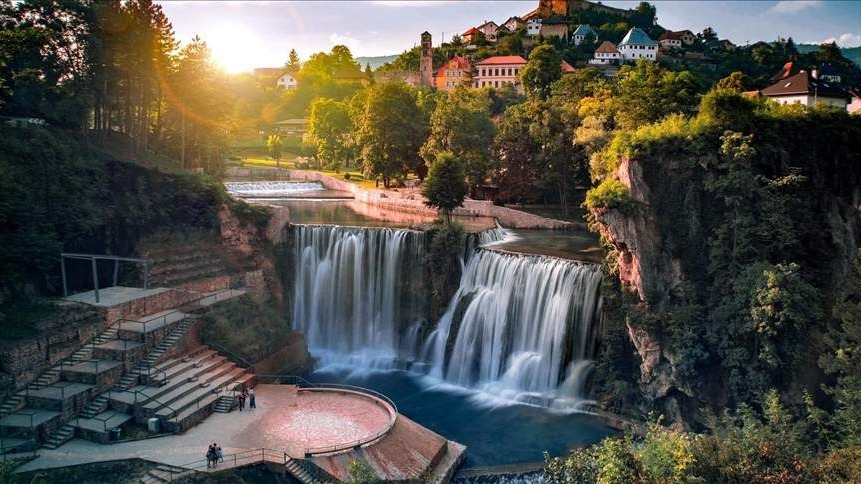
[(248, 34)]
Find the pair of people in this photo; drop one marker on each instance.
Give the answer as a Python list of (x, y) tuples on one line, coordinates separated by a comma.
[(247, 395), (214, 455)]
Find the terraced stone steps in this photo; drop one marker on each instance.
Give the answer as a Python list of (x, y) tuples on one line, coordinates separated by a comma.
[(60, 437), (197, 392), (225, 404), (12, 404), (165, 473), (48, 377), (298, 472), (97, 406)]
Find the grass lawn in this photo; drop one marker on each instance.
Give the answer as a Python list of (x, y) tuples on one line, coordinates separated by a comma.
[(575, 213)]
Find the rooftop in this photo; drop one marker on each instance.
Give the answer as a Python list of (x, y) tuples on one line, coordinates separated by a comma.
[(804, 83), (584, 30), (502, 59), (607, 47), (636, 36)]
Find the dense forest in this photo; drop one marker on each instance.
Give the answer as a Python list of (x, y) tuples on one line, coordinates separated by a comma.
[(731, 224)]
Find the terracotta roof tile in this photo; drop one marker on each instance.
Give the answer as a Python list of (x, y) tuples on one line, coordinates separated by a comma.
[(502, 59)]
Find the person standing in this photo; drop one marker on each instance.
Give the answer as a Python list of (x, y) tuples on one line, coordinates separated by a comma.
[(210, 457), (218, 453), (251, 402), (241, 401)]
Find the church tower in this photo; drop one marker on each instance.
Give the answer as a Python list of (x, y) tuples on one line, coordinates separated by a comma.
[(426, 65)]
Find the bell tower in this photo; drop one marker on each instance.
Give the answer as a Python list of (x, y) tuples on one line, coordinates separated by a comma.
[(426, 64)]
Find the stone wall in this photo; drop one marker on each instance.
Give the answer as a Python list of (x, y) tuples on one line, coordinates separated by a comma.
[(414, 203), (21, 361), (292, 359)]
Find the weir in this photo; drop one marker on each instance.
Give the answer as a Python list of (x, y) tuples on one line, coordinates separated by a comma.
[(519, 327)]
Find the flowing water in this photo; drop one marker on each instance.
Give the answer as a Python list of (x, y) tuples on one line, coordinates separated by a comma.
[(357, 292), (519, 328), (261, 189)]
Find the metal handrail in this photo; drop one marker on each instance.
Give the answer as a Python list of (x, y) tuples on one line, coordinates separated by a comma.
[(242, 362)]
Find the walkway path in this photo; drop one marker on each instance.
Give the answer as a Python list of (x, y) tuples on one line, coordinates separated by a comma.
[(283, 420)]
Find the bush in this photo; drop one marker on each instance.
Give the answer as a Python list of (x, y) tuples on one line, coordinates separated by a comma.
[(612, 195)]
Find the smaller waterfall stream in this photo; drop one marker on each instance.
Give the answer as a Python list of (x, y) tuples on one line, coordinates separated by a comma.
[(520, 328), (259, 189)]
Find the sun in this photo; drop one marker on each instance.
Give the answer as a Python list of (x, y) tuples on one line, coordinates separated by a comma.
[(235, 49)]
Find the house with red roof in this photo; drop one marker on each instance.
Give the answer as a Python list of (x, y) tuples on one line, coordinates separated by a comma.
[(498, 71), (471, 35), (455, 72), (606, 54)]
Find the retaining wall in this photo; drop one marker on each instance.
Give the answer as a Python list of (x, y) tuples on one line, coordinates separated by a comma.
[(414, 203)]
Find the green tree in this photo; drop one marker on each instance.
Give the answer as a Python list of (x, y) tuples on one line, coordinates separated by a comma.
[(647, 92), (541, 71), (331, 127), (390, 132), (445, 187), (273, 146), (461, 124), (361, 472), (293, 62)]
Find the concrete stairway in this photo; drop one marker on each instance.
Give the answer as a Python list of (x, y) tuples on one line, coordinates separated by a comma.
[(298, 472), (48, 377), (192, 388), (225, 404), (132, 378), (97, 406), (11, 404), (60, 437), (165, 473)]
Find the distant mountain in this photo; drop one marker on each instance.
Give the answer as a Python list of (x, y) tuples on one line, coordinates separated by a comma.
[(376, 61), (851, 53)]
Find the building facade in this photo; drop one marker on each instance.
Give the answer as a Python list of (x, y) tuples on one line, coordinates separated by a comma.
[(582, 32), (606, 54), (805, 89), (498, 71), (456, 72), (637, 45), (287, 81)]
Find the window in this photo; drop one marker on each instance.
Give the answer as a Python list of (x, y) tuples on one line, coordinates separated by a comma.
[(516, 70), (496, 72), (495, 83)]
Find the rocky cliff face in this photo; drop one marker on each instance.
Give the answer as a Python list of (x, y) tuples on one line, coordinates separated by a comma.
[(663, 251)]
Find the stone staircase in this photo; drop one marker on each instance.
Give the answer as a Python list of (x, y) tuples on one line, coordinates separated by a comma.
[(97, 406), (11, 404), (48, 377), (132, 378), (191, 389), (165, 473), (60, 437), (198, 265), (297, 471), (225, 404)]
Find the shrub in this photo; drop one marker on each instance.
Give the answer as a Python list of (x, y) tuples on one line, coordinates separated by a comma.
[(612, 195)]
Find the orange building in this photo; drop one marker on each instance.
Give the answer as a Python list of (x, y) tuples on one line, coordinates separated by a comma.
[(455, 72)]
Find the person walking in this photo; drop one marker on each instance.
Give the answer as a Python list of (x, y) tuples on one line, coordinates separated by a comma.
[(210, 456), (251, 402), (218, 453), (241, 401)]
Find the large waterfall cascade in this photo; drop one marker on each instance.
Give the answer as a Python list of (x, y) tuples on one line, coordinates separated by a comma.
[(354, 291), (519, 327)]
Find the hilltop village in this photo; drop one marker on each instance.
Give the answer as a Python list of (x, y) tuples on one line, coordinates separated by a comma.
[(589, 34)]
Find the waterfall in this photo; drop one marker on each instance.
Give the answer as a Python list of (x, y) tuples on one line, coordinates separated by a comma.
[(358, 292), (270, 188), (519, 327)]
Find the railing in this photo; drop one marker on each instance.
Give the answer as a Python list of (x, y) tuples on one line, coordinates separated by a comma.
[(240, 361), (11, 452), (305, 384), (245, 458)]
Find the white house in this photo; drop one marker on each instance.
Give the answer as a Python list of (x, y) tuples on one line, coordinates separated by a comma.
[(583, 31), (498, 71), (805, 89), (287, 81), (533, 27), (606, 54), (637, 45)]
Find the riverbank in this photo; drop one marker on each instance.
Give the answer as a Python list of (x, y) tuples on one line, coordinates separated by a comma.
[(410, 200)]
